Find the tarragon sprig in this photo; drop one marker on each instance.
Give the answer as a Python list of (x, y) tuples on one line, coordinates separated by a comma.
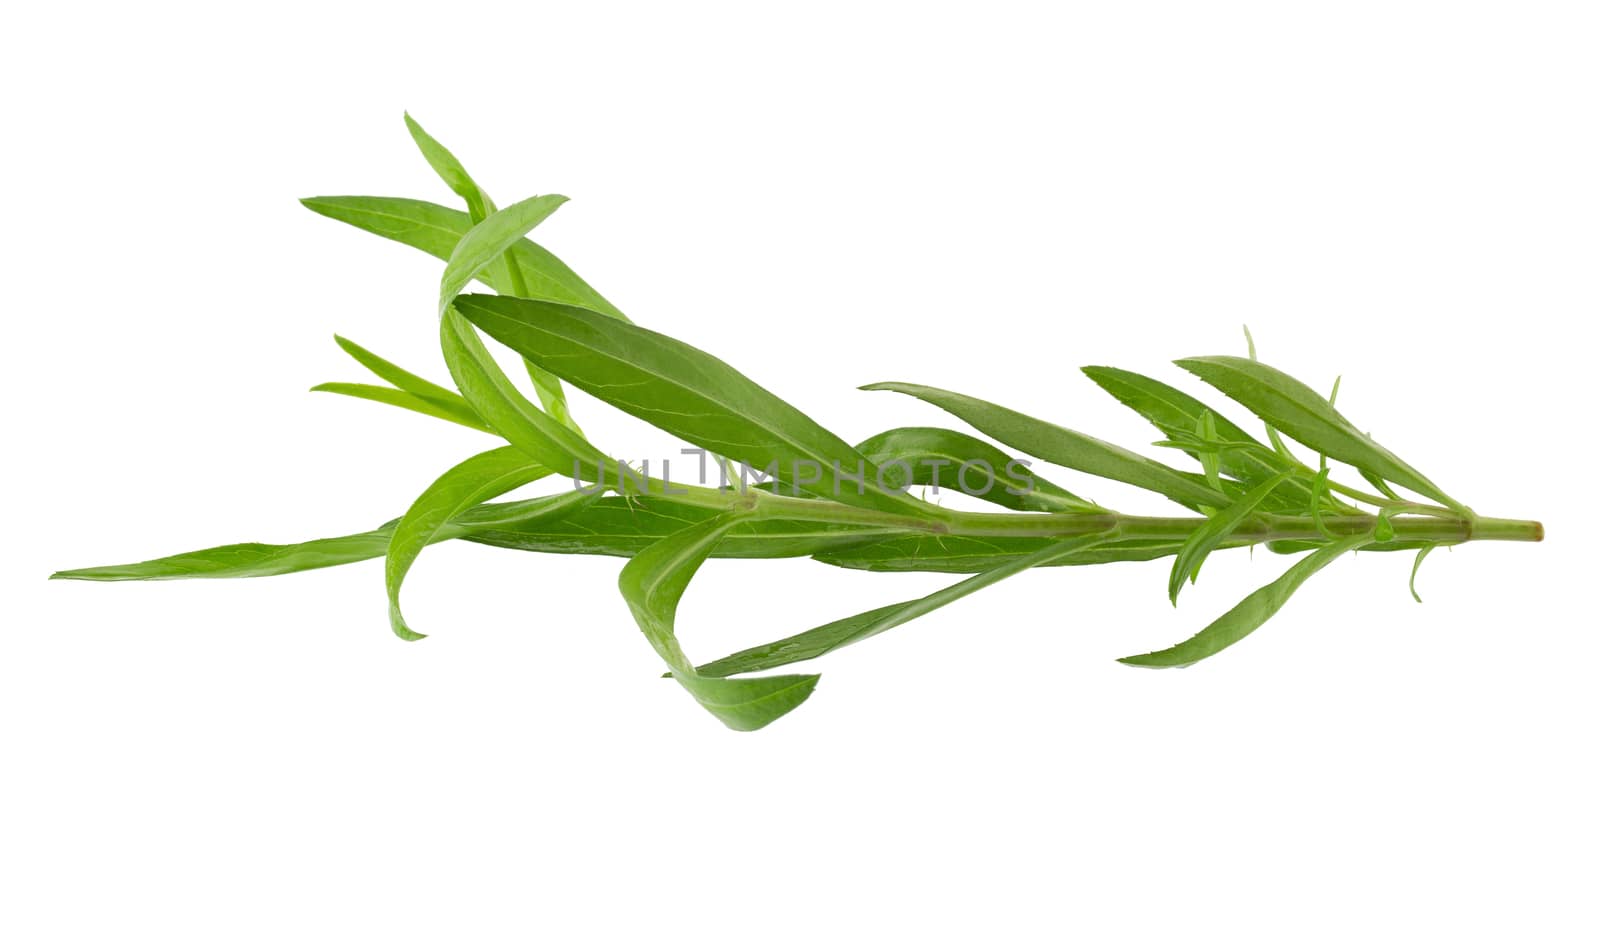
[(816, 495)]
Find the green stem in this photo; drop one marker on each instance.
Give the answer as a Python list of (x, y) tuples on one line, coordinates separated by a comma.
[(1453, 529)]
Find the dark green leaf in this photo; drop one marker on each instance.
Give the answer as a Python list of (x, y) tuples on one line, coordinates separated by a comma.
[(653, 584), (926, 455), (824, 639), (1249, 613), (684, 391), (1304, 414), (1064, 446)]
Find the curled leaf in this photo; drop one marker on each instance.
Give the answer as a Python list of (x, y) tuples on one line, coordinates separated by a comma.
[(436, 230), (1416, 565), (486, 242), (491, 394), (469, 483), (653, 584)]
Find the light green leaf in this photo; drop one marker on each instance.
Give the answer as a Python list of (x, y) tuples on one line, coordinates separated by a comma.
[(469, 483), (401, 378), (1204, 539), (1249, 613), (455, 176), (934, 456), (824, 639), (466, 416), (1416, 565), (1206, 431), (683, 391), (480, 208), (490, 393), (498, 521), (653, 583), (1065, 447), (436, 230), (243, 560), (1305, 415), (486, 242), (1383, 487)]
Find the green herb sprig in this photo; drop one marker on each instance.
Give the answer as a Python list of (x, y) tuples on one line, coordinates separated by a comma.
[(848, 506)]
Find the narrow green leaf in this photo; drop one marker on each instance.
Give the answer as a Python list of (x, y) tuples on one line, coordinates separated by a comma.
[(469, 483), (1064, 446), (1416, 565), (686, 392), (455, 176), (485, 243), (490, 393), (653, 583), (401, 378), (1204, 539), (1302, 413), (1206, 430), (243, 560), (926, 455), (436, 230), (1383, 487), (1249, 613), (824, 639), (466, 416), (503, 518)]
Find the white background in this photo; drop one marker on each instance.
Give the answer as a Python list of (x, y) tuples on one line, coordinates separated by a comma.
[(977, 198)]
